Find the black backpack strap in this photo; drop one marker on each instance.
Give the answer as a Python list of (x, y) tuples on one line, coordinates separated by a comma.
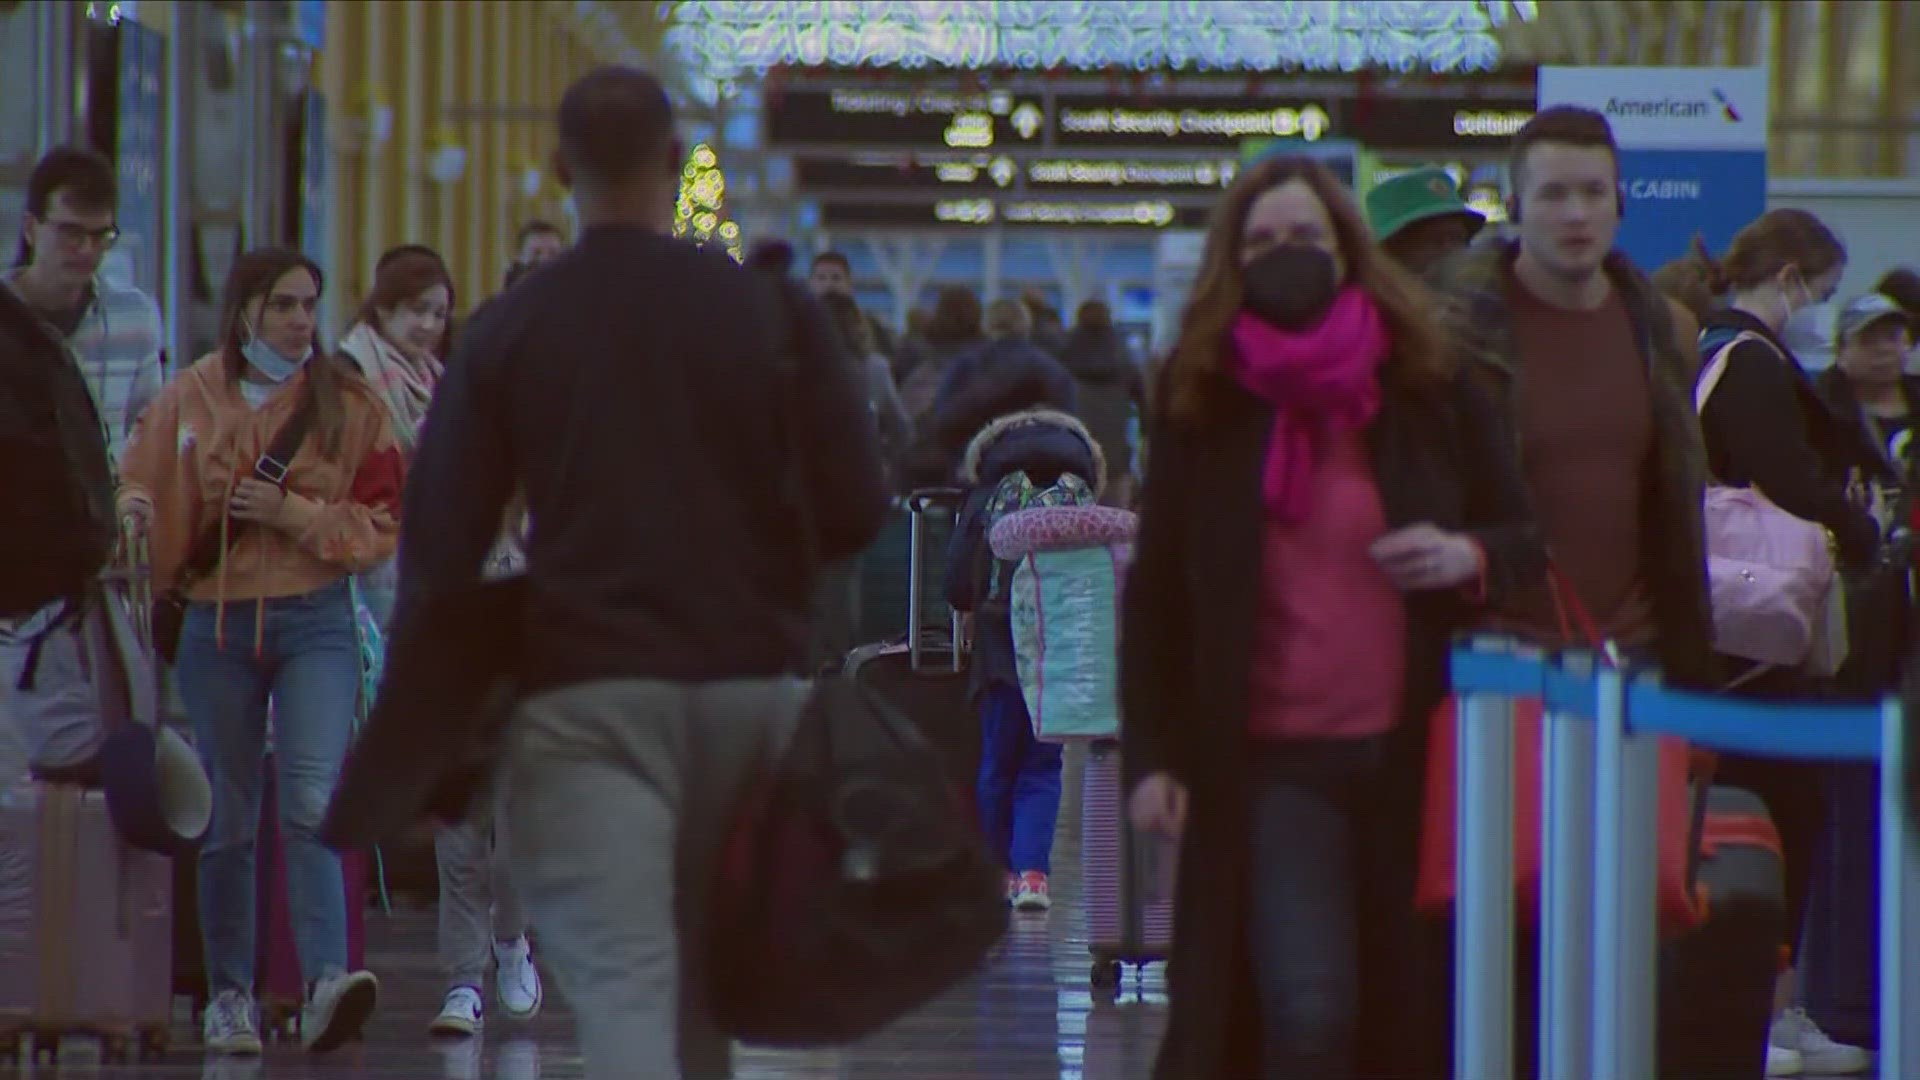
[(272, 466), (72, 610), (275, 463)]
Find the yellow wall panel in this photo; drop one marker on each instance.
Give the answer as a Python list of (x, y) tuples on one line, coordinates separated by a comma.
[(441, 74)]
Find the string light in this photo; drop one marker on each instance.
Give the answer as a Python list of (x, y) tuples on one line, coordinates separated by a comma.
[(723, 41)]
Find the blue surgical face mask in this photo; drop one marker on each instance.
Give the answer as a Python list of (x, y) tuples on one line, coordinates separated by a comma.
[(269, 361)]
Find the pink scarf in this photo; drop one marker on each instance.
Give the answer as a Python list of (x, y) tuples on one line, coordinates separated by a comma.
[(1320, 381)]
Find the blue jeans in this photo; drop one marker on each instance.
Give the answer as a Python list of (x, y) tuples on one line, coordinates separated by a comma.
[(307, 662), (1019, 788), (1331, 926)]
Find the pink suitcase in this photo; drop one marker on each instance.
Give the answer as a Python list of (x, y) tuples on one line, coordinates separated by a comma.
[(86, 926), (1127, 880)]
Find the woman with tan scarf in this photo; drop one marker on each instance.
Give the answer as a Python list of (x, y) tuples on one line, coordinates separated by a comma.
[(399, 343)]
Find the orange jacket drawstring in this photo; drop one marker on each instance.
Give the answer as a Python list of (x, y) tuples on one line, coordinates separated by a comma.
[(220, 579), (220, 586)]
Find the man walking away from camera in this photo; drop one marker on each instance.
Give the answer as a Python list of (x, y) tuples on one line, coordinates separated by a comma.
[(633, 389)]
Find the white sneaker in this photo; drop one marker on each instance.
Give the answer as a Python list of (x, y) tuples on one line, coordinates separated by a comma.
[(516, 978), (227, 1026), (1784, 1062), (463, 1013), (337, 1008), (1819, 1054)]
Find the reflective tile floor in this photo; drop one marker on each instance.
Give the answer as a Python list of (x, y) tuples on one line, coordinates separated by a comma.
[(1029, 1015)]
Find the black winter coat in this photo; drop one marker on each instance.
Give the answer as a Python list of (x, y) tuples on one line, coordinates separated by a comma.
[(1441, 454), (1112, 390), (1766, 426)]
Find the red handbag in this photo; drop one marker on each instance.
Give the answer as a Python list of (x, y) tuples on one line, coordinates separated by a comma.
[(1438, 883)]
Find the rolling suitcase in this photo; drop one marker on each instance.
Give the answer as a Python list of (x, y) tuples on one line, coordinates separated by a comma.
[(924, 675), (882, 575), (86, 926), (1126, 879), (1716, 980)]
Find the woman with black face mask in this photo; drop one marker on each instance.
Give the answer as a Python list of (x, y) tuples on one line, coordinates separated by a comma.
[(1329, 497)]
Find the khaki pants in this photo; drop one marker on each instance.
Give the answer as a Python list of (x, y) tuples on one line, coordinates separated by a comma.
[(619, 798), (478, 904)]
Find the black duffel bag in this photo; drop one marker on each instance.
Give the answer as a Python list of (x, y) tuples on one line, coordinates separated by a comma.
[(856, 887)]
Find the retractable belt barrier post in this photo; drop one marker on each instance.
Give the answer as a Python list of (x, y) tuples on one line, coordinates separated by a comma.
[(1599, 802), (1487, 678), (1566, 872)]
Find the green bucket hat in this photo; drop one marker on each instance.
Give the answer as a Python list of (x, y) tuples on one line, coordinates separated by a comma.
[(1394, 204)]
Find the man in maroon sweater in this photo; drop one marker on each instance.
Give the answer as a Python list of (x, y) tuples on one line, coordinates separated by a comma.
[(1597, 369)]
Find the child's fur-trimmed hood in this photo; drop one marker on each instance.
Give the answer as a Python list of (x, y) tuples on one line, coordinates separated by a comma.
[(993, 432)]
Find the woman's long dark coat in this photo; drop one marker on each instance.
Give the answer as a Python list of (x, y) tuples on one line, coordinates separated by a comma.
[(1441, 453)]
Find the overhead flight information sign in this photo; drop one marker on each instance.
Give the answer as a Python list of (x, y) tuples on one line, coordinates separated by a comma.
[(955, 119), (1472, 117), (1084, 121), (1061, 173), (1126, 214), (1078, 156)]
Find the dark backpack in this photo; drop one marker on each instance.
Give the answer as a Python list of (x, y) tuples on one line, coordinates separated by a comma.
[(59, 532), (855, 888)]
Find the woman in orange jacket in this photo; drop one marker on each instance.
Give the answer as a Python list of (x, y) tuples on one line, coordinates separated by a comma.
[(272, 618)]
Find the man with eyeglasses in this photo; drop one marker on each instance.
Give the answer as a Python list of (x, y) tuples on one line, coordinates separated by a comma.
[(79, 360), (113, 329)]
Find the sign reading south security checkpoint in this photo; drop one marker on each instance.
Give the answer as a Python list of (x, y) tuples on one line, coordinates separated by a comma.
[(1693, 149)]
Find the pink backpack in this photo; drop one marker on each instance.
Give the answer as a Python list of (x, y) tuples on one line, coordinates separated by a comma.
[(1776, 596)]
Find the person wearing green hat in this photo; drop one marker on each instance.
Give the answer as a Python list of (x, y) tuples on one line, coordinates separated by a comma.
[(1421, 219)]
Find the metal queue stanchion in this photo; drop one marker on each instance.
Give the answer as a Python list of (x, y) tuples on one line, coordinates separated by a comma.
[(1567, 927), (1626, 813), (1599, 824), (1487, 678), (1899, 900)]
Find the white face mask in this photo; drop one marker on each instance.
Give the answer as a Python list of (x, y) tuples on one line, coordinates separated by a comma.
[(1809, 333)]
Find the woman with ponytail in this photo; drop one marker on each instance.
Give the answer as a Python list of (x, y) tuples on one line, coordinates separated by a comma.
[(1329, 498), (1767, 426)]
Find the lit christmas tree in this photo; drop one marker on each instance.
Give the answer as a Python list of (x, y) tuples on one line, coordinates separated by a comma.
[(700, 212)]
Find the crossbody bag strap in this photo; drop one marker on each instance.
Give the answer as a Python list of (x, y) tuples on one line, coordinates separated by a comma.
[(1716, 368), (272, 466)]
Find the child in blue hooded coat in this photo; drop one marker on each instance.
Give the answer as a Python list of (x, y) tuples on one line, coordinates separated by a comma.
[(1019, 783)]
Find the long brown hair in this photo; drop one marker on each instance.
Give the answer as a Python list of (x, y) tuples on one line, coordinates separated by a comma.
[(252, 277), (403, 274), (1782, 237), (1418, 351)]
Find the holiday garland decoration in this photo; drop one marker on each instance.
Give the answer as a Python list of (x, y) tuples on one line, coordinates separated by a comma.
[(720, 41)]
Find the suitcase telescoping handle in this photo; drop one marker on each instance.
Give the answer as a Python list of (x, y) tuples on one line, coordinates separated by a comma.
[(919, 504), (133, 566)]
